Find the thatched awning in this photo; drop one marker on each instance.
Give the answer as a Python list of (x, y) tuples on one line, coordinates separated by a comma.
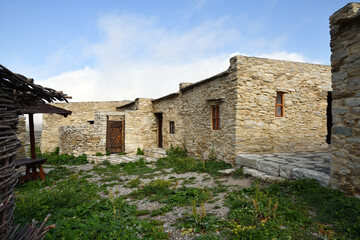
[(44, 108), (25, 92)]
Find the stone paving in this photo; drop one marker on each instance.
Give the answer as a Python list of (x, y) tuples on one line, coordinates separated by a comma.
[(269, 167), (296, 165), (116, 159)]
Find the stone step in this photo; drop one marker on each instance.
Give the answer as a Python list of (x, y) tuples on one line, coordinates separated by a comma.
[(155, 152), (263, 176), (227, 171), (260, 165)]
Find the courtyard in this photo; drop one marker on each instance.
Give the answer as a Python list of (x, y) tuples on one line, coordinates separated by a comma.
[(179, 197)]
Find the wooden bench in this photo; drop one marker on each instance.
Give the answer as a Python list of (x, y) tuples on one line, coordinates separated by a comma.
[(31, 165)]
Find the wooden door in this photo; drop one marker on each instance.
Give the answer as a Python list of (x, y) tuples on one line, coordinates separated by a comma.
[(115, 136)]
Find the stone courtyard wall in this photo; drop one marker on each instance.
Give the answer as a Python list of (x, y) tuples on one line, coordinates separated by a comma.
[(140, 126), (88, 139), (345, 63), (304, 124), (82, 112)]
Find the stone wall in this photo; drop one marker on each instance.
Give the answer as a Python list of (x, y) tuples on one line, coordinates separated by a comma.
[(246, 95), (345, 63), (170, 107), (82, 112), (140, 126), (88, 139), (199, 137), (304, 124)]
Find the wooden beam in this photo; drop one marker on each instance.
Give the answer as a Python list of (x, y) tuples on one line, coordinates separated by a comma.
[(32, 136)]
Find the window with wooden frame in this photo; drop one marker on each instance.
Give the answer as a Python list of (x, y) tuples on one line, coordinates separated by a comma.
[(279, 104), (215, 115), (172, 127)]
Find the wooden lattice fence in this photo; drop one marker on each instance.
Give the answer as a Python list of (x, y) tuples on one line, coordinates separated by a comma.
[(16, 91)]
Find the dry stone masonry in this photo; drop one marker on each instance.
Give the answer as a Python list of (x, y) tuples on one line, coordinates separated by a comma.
[(83, 113), (345, 64), (245, 97)]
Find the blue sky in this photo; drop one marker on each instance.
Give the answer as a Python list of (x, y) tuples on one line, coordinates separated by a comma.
[(114, 50)]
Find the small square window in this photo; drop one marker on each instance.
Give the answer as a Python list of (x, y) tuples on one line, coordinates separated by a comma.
[(215, 115), (172, 127), (279, 104)]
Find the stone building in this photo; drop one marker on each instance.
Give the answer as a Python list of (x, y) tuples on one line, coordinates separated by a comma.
[(256, 105), (345, 63), (83, 114)]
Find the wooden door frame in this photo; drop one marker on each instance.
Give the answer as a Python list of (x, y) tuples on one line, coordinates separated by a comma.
[(122, 132), (159, 117)]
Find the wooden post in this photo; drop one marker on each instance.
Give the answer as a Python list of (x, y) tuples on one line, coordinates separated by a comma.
[(32, 136)]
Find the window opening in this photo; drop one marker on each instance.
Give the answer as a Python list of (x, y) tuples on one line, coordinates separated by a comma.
[(215, 113), (279, 104), (172, 126)]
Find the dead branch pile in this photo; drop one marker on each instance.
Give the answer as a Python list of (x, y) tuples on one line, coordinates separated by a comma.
[(30, 231)]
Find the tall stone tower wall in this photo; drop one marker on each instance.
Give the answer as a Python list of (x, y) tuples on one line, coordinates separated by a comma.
[(345, 63)]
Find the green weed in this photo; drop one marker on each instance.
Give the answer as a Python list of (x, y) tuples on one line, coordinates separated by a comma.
[(55, 158), (139, 152), (99, 154), (134, 183), (199, 221)]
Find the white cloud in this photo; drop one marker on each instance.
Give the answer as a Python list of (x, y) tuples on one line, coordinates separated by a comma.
[(296, 57), (137, 57), (283, 55)]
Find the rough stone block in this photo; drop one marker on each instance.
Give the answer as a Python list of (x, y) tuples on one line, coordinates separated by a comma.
[(342, 130), (285, 171), (247, 161), (340, 110), (253, 172), (268, 167), (227, 171), (269, 178), (322, 178), (352, 102)]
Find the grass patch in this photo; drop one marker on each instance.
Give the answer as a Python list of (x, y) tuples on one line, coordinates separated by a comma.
[(134, 183), (80, 213), (289, 210), (177, 158), (139, 152), (137, 167), (161, 211), (281, 211), (55, 158), (199, 221)]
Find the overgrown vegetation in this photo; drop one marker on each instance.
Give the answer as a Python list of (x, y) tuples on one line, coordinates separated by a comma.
[(61, 159), (80, 213), (139, 152), (178, 159), (289, 210), (99, 154), (297, 210)]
